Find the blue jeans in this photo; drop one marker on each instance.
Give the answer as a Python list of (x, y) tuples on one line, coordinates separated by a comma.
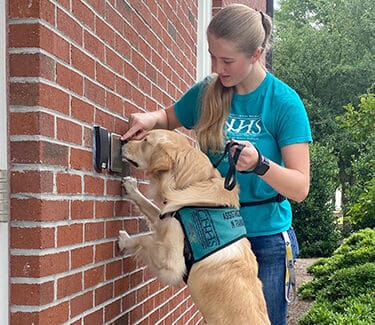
[(270, 254)]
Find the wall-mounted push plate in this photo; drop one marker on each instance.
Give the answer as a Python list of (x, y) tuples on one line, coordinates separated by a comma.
[(115, 159), (107, 151), (100, 147)]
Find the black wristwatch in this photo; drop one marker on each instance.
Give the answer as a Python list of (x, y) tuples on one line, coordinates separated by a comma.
[(262, 166)]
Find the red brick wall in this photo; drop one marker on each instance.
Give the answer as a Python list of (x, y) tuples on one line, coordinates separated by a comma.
[(74, 64), (256, 4)]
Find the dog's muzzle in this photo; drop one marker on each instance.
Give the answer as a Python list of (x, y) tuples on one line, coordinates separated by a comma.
[(135, 164)]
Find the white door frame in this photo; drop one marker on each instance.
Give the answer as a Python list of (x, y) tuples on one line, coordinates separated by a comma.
[(4, 178), (203, 58)]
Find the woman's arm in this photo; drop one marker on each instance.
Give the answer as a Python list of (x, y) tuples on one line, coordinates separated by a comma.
[(293, 180)]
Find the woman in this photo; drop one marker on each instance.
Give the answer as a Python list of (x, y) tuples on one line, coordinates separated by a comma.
[(247, 105)]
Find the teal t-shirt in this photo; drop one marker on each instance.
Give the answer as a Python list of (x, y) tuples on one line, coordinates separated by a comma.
[(270, 117)]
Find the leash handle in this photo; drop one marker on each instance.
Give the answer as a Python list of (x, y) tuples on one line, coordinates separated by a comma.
[(237, 153), (226, 150), (230, 178)]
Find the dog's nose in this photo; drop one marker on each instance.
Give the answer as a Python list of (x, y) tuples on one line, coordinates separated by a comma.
[(123, 142)]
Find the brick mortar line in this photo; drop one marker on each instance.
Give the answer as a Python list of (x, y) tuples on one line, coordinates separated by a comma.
[(63, 196), (25, 137), (37, 109), (58, 276), (42, 252), (51, 168), (78, 172), (61, 170), (67, 197), (53, 224)]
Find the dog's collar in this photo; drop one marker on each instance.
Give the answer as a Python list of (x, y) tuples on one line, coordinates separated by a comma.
[(163, 216), (167, 214)]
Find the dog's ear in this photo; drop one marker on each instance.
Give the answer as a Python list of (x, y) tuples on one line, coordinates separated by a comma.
[(161, 159)]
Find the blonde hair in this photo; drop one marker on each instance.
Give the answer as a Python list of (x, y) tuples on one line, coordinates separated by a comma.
[(249, 30)]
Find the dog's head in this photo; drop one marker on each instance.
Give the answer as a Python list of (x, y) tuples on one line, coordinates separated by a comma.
[(155, 151), (163, 151)]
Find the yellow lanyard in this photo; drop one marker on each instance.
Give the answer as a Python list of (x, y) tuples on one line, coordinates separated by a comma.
[(290, 276)]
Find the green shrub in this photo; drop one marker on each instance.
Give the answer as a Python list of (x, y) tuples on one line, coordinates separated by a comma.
[(351, 310), (362, 238), (358, 249), (343, 260), (353, 281), (343, 284)]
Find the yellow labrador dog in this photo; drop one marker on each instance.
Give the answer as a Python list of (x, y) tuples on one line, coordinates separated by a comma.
[(197, 232)]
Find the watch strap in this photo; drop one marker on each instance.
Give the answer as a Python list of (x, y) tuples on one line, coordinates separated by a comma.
[(263, 164)]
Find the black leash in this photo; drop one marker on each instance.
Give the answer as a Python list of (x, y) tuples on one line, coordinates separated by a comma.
[(230, 178)]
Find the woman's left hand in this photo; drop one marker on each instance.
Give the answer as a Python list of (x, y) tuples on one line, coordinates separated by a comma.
[(248, 158)]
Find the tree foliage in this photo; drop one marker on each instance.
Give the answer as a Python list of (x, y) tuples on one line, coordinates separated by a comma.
[(326, 51), (362, 213), (313, 221), (359, 122)]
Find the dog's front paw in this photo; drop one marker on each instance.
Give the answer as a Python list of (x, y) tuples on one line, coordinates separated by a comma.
[(129, 184), (123, 239)]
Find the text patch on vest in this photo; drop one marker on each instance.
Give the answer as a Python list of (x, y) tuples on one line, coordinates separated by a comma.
[(210, 229)]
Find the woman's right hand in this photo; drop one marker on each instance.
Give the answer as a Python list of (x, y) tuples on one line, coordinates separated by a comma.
[(140, 124)]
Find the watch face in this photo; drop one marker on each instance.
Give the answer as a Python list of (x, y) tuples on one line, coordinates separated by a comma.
[(263, 167)]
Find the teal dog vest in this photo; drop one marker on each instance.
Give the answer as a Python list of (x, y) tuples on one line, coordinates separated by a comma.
[(208, 229)]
